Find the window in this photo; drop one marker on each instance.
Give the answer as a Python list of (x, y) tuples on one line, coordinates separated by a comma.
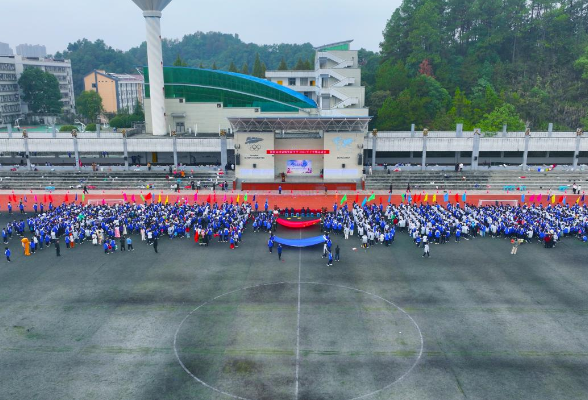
[(180, 127), (303, 81), (312, 83), (291, 81)]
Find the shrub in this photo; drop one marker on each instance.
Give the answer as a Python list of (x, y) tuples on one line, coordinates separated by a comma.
[(91, 128), (67, 128)]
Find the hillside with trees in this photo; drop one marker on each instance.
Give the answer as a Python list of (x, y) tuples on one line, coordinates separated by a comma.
[(212, 50), (483, 63)]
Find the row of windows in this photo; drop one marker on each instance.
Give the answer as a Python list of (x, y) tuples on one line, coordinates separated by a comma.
[(9, 98), (303, 82), (7, 67), (7, 77), (11, 108), (8, 88)]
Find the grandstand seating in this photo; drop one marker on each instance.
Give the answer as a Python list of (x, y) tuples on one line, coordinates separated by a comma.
[(42, 180), (476, 180)]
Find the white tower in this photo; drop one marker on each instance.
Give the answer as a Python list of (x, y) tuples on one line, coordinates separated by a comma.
[(152, 12)]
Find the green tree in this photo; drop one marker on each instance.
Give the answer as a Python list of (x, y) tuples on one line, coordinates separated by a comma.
[(263, 69), (40, 91), (233, 67), (214, 67), (179, 62), (300, 65), (89, 105), (505, 114), (245, 69), (257, 69), (581, 64), (138, 110), (201, 66), (392, 78), (283, 66)]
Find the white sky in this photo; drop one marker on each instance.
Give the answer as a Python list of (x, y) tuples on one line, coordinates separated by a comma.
[(120, 22)]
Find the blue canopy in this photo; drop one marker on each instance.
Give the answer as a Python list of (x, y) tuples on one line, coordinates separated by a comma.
[(300, 242)]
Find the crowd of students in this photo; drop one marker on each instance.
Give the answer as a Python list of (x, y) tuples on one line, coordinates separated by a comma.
[(433, 223), (111, 226)]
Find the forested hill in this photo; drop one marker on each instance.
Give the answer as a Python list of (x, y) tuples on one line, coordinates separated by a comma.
[(212, 49), (483, 62)]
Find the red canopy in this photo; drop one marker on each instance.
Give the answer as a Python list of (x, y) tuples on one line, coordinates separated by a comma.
[(297, 224)]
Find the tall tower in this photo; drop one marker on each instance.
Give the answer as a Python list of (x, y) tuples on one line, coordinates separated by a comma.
[(152, 12)]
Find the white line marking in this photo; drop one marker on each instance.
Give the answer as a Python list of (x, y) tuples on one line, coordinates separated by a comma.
[(298, 323), (298, 283)]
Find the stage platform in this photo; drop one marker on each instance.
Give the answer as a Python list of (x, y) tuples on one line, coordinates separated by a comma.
[(300, 185)]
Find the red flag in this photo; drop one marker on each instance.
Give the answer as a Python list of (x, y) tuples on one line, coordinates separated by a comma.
[(215, 197), (380, 199), (125, 197), (44, 198), (532, 199), (149, 196), (356, 197), (195, 196), (208, 199), (133, 198), (560, 199), (456, 198), (66, 198), (178, 199), (51, 198)]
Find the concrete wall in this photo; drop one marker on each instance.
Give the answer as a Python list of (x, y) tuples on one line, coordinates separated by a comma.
[(205, 117), (106, 88), (252, 148), (344, 149)]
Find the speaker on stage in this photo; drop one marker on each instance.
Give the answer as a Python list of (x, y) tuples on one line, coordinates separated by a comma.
[(342, 165), (254, 165), (359, 160), (237, 159)]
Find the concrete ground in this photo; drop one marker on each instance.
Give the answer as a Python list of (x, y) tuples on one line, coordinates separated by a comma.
[(494, 326)]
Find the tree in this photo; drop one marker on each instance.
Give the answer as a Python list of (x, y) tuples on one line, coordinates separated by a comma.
[(179, 62), (425, 68), (245, 69), (233, 67), (283, 66), (263, 70), (89, 105), (201, 66), (40, 91), (300, 66), (257, 69), (581, 64), (138, 110), (505, 114), (214, 67), (392, 78)]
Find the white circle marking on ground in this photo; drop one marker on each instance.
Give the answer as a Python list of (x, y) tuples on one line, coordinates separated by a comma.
[(408, 371)]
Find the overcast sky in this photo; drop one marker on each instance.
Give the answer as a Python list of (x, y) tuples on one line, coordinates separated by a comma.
[(120, 23)]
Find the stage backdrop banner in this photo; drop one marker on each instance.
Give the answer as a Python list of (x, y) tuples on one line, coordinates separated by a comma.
[(298, 167)]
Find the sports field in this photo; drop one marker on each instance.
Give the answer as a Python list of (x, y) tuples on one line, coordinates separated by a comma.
[(200, 323)]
